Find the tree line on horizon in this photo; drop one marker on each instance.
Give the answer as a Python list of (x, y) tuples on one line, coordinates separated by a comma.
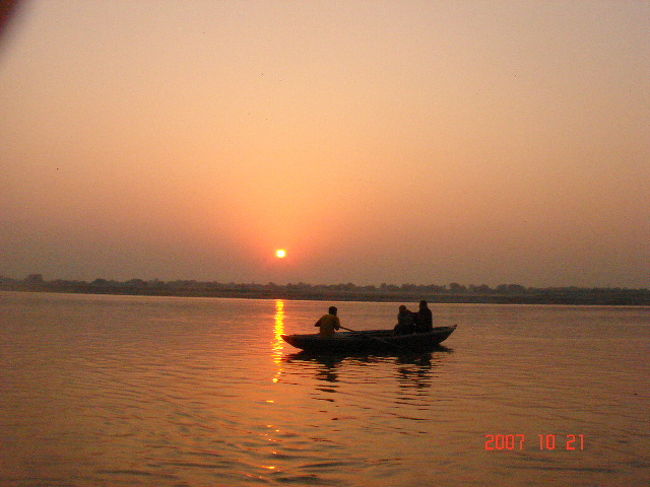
[(36, 280)]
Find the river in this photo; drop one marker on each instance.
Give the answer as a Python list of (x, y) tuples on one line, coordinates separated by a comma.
[(102, 390)]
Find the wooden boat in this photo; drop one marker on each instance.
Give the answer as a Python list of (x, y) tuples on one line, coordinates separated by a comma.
[(370, 341)]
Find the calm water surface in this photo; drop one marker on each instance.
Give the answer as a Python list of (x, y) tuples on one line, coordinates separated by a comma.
[(148, 391)]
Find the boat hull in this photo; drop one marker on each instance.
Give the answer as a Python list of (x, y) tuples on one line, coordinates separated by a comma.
[(370, 341)]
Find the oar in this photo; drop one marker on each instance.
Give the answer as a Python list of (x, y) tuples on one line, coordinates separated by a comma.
[(349, 329), (374, 338)]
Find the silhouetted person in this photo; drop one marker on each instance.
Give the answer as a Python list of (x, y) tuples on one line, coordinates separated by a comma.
[(405, 321), (328, 323), (423, 318)]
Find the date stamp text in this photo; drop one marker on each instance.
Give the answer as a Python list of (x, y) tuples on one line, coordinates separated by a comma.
[(510, 442)]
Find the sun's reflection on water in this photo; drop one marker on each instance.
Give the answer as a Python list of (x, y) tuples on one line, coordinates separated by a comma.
[(278, 342)]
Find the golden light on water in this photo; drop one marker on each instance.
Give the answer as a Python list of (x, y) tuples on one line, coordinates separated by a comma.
[(278, 343)]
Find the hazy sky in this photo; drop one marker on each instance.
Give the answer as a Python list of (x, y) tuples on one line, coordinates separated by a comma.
[(377, 141)]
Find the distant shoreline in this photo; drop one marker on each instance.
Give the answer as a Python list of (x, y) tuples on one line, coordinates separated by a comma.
[(563, 296)]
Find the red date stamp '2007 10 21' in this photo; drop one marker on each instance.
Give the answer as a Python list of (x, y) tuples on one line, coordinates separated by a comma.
[(511, 442)]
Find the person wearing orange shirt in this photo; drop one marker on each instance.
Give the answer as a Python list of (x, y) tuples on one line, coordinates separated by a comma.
[(329, 323)]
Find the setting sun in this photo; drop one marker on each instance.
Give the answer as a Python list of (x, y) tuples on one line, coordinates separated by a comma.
[(280, 253)]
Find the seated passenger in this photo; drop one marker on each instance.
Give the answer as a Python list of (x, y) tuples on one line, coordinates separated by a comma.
[(423, 318), (329, 323), (405, 321)]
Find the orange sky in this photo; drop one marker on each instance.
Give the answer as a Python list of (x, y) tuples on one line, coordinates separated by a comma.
[(417, 141)]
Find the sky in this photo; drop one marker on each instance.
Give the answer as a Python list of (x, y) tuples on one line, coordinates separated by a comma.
[(480, 142)]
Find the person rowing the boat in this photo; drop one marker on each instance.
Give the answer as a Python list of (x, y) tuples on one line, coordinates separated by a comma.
[(329, 323)]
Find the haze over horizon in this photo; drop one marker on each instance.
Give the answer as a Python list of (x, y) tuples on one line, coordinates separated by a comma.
[(421, 142)]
